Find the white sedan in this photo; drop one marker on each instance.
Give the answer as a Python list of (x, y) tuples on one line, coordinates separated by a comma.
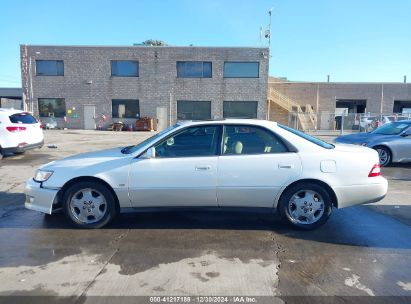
[(226, 163)]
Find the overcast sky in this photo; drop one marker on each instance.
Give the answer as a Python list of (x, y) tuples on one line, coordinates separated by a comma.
[(351, 40)]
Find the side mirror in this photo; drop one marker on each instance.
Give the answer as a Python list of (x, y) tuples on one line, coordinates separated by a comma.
[(406, 133), (170, 141), (150, 153)]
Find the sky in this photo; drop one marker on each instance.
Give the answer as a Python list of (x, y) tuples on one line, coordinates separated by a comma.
[(350, 40)]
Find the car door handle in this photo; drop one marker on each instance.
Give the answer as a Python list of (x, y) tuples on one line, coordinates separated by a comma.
[(203, 168), (286, 166)]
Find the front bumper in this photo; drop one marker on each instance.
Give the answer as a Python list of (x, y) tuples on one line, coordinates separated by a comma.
[(38, 198), (21, 149), (361, 194)]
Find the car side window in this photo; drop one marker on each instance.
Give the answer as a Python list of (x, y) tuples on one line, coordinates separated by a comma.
[(190, 142), (244, 139)]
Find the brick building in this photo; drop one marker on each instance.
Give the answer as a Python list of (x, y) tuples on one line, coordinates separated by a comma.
[(11, 98), (82, 83), (325, 100)]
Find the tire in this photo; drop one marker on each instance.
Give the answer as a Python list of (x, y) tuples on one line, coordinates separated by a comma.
[(19, 153), (384, 155), (89, 205), (1, 155), (305, 206)]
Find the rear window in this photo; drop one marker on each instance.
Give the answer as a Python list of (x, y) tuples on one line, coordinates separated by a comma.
[(310, 138), (22, 118)]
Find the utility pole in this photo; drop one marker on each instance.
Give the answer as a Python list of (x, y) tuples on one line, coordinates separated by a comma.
[(268, 32), (269, 29)]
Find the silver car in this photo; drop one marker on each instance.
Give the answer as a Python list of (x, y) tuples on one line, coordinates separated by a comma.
[(392, 141)]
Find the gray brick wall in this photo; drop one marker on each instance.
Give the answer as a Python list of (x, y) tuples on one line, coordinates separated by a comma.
[(157, 84)]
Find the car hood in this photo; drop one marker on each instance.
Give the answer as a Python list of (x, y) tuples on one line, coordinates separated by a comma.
[(86, 159), (359, 138)]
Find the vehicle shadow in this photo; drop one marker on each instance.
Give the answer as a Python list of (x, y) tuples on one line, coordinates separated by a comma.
[(399, 165), (26, 158), (354, 226), (401, 172)]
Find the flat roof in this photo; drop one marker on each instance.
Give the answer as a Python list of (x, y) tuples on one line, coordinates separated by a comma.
[(332, 82), (144, 46), (11, 92)]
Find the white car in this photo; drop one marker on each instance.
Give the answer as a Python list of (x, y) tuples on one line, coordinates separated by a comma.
[(226, 163), (19, 132)]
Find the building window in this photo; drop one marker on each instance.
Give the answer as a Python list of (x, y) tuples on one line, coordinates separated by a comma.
[(49, 68), (240, 109), (193, 110), (125, 108), (52, 107), (241, 69), (194, 69), (124, 68)]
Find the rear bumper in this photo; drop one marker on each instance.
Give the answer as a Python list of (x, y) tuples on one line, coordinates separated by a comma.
[(24, 148), (38, 198), (361, 194)]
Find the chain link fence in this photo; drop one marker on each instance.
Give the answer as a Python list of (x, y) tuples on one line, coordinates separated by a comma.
[(342, 123)]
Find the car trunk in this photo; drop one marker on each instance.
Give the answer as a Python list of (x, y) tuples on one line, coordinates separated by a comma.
[(25, 128)]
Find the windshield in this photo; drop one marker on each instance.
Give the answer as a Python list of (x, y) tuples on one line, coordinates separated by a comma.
[(310, 138), (132, 149), (393, 128)]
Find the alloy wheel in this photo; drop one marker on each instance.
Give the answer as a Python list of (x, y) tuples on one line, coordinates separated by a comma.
[(88, 205), (305, 207)]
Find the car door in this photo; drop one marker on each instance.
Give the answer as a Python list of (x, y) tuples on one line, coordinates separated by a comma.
[(254, 165), (182, 173), (401, 146)]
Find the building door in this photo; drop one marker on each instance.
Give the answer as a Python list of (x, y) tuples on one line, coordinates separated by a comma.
[(162, 120), (89, 117)]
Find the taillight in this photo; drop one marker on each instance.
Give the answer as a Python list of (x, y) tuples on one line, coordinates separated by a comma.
[(16, 129), (41, 126), (375, 171)]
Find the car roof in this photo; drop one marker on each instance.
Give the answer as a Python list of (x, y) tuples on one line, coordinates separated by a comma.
[(239, 121)]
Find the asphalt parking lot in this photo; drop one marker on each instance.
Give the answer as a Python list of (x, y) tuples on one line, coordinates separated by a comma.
[(361, 251)]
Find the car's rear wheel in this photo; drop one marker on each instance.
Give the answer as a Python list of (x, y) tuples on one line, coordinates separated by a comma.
[(305, 205), (385, 156), (89, 204)]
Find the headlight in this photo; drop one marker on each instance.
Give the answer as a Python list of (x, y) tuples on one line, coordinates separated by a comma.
[(42, 175)]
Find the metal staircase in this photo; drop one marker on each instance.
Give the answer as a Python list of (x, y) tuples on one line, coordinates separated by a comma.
[(305, 115)]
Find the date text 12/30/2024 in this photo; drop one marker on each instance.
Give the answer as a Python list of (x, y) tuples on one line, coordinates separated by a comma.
[(203, 299)]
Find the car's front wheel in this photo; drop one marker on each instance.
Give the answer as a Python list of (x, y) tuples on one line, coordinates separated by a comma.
[(305, 205), (89, 204), (385, 156)]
